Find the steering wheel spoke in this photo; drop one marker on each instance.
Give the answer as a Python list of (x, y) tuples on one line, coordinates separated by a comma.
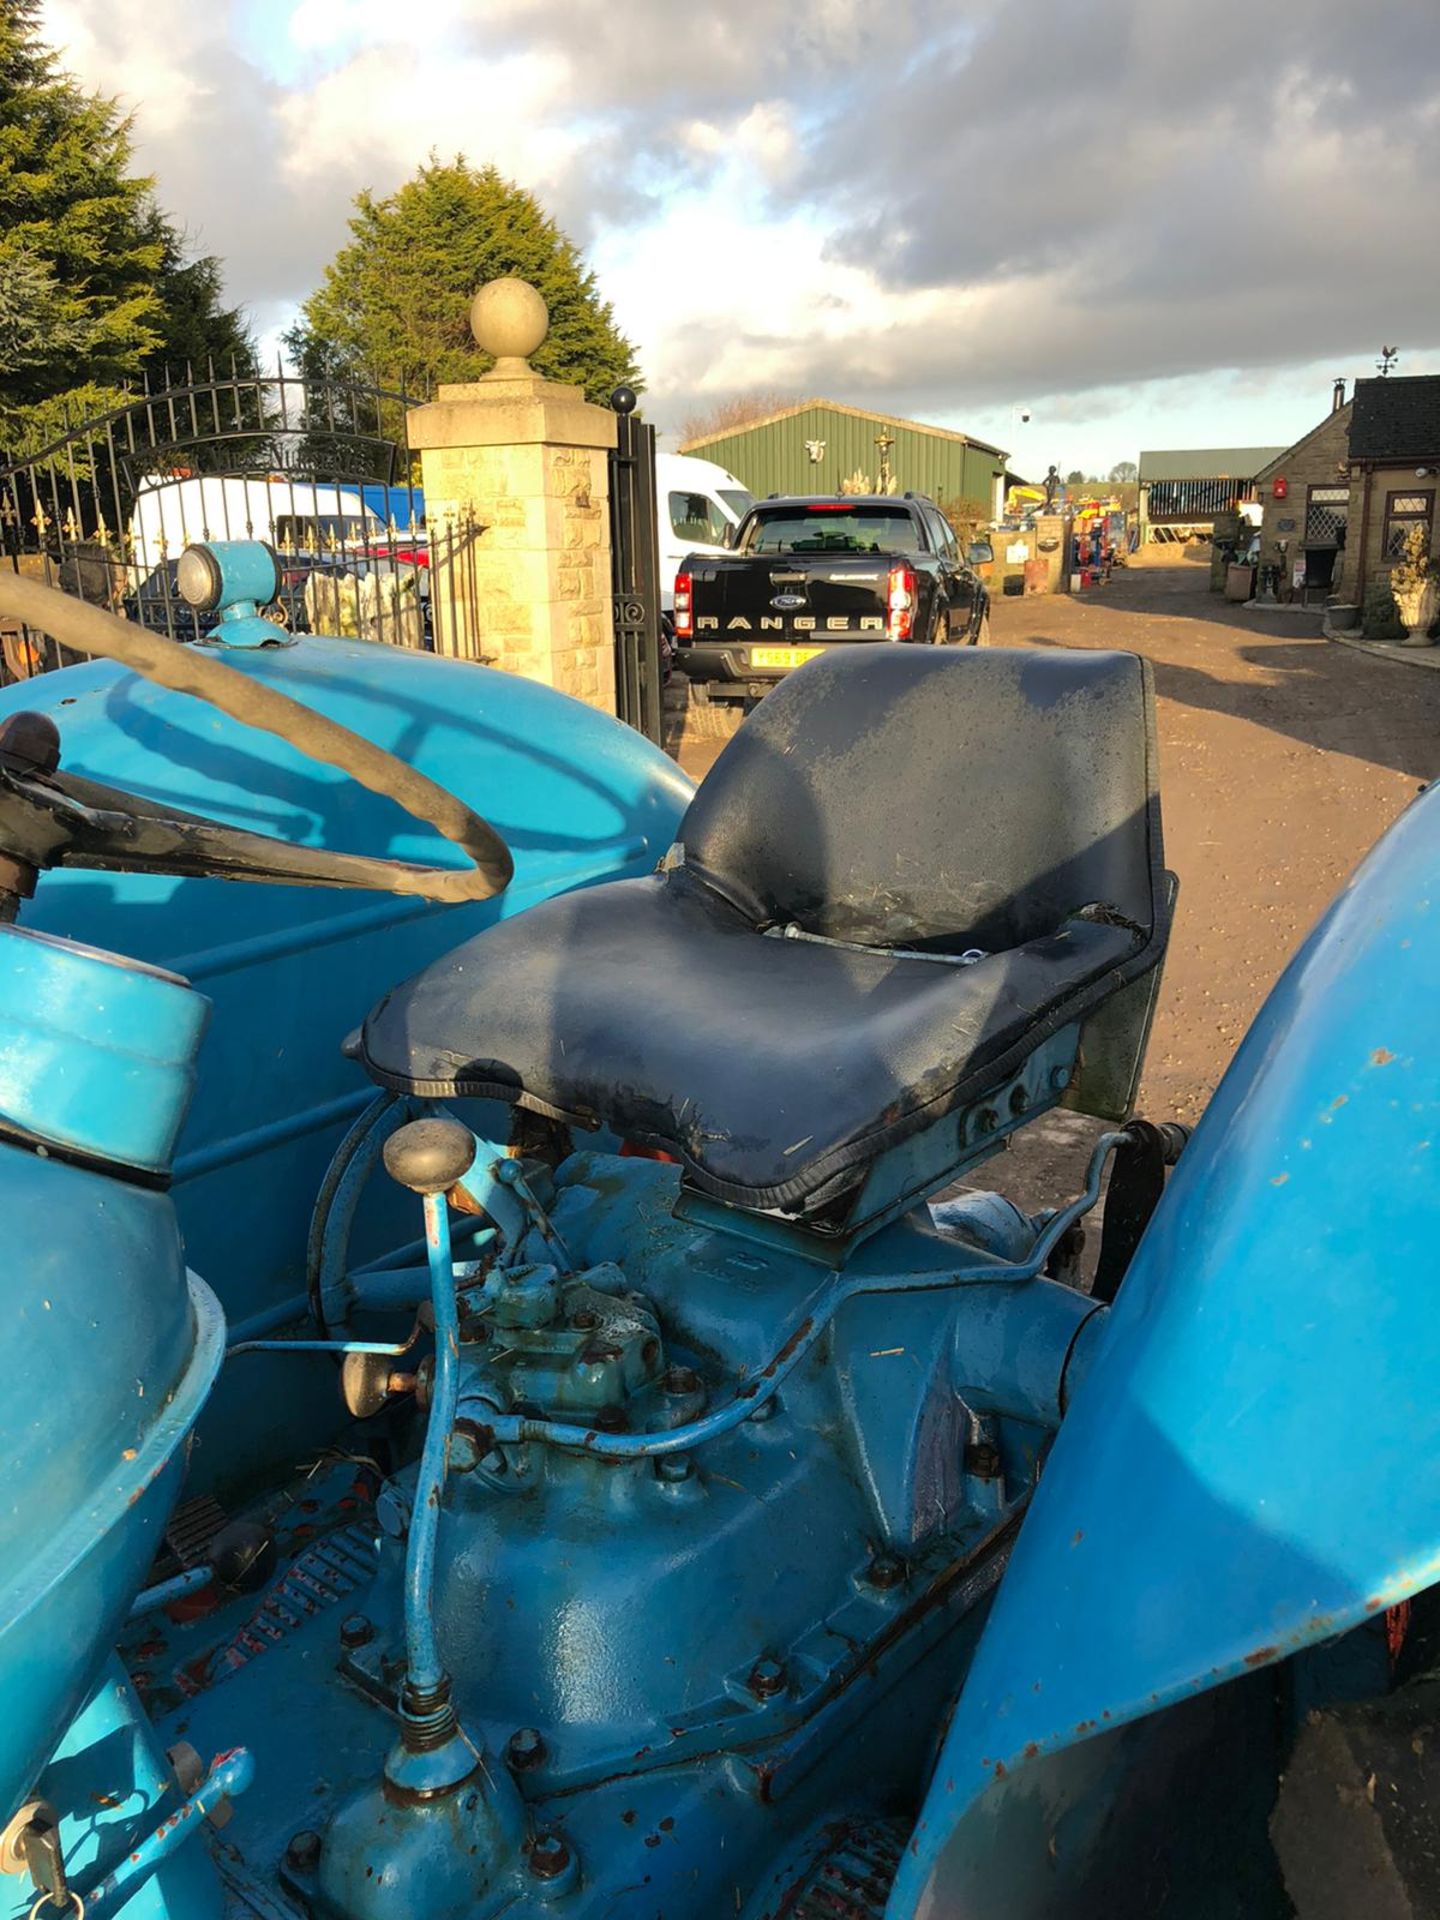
[(49, 818)]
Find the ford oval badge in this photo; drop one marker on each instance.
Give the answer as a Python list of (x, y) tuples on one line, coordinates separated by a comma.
[(784, 601)]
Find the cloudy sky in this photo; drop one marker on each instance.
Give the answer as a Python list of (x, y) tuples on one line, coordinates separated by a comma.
[(1147, 224)]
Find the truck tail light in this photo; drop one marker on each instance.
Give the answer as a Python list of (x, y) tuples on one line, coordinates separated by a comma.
[(901, 618), (684, 608)]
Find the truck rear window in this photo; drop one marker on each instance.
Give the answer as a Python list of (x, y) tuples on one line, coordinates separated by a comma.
[(829, 529)]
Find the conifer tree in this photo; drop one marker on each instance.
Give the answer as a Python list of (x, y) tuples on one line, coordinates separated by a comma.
[(94, 288), (394, 303)]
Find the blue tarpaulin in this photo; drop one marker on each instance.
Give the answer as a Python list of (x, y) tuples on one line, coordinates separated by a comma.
[(404, 505)]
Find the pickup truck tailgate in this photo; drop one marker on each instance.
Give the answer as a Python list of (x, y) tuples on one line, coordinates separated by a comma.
[(841, 597)]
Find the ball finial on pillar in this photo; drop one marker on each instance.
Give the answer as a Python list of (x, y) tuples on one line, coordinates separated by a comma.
[(510, 320)]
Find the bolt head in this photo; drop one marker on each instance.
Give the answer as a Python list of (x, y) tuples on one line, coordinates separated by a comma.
[(549, 1856), (768, 1678), (680, 1381), (886, 1571), (356, 1631), (584, 1318), (673, 1468), (525, 1748), (303, 1853)]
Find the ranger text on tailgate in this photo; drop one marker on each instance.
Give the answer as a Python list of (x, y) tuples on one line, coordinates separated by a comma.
[(807, 574)]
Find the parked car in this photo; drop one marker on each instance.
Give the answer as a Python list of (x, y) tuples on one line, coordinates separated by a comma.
[(811, 573)]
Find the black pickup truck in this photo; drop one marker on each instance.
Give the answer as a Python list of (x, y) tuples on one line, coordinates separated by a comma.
[(812, 573)]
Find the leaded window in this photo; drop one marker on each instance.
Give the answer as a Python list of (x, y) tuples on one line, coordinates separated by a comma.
[(1326, 509), (1402, 512)]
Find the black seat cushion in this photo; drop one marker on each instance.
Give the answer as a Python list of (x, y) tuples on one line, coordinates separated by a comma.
[(769, 1066), (930, 800), (931, 796)]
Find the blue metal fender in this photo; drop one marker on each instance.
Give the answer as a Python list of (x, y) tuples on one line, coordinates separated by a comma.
[(1254, 1462)]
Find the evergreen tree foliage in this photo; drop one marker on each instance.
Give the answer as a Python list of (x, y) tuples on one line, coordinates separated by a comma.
[(198, 332), (394, 303), (94, 289)]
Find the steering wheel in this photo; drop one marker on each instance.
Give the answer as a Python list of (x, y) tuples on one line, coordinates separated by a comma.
[(54, 819)]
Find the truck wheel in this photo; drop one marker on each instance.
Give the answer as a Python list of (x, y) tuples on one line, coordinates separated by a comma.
[(981, 635)]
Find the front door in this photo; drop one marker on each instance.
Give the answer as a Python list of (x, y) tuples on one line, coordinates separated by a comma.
[(1326, 512)]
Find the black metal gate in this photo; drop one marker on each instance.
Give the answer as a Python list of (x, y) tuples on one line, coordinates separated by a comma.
[(635, 579), (321, 470)]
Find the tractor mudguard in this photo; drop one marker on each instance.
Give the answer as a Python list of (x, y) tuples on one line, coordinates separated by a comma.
[(1253, 1464)]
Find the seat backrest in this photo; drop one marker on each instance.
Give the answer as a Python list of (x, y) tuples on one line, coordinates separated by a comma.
[(938, 797)]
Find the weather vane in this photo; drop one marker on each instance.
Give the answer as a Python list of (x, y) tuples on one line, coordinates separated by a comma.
[(1388, 357)]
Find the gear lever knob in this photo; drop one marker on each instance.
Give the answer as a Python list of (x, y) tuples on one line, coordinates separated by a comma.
[(429, 1156)]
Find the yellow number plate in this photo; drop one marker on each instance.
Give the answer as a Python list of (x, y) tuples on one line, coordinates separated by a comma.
[(782, 656)]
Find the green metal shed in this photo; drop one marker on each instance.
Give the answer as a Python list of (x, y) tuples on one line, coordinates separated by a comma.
[(816, 445)]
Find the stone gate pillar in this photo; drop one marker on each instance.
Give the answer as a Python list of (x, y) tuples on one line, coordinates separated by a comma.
[(516, 485)]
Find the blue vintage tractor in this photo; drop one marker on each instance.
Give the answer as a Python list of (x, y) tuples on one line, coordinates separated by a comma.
[(519, 1406)]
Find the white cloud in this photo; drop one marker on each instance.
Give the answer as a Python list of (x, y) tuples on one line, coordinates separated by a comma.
[(359, 123), (937, 205)]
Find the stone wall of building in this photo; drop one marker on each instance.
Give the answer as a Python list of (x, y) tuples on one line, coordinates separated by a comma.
[(1321, 459), (1380, 483)]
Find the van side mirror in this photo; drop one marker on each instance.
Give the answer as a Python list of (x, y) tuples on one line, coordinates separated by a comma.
[(981, 553)]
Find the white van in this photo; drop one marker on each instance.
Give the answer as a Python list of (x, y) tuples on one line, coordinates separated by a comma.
[(295, 516), (697, 505)]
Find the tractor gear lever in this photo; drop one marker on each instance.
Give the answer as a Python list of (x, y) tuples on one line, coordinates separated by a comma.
[(429, 1156)]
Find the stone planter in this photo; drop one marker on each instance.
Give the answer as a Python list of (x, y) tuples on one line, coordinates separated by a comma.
[(1418, 607), (1343, 619)]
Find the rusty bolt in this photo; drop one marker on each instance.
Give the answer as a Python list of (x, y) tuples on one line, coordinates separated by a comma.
[(355, 1630), (549, 1857), (525, 1749), (673, 1468), (303, 1853), (987, 1120), (768, 1678), (584, 1318), (982, 1460), (680, 1380), (1019, 1098), (886, 1571)]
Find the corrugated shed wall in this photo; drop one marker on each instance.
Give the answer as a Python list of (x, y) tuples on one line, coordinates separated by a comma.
[(773, 458)]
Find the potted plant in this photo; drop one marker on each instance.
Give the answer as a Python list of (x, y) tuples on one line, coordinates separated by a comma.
[(1415, 584)]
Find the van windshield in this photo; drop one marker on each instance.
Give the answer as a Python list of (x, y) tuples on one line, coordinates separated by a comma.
[(831, 528), (318, 532)]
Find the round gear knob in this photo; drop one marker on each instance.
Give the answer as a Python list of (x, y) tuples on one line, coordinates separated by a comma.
[(429, 1156)]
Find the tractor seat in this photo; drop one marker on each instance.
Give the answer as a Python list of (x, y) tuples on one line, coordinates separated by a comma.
[(797, 990)]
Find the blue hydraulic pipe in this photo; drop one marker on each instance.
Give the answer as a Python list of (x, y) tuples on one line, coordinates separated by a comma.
[(510, 1429), (231, 1774), (424, 1672)]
